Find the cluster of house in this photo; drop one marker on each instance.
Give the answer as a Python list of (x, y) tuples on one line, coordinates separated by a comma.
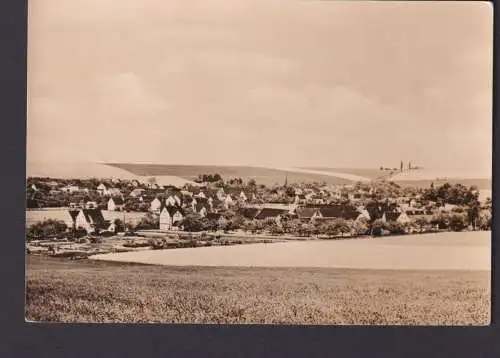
[(306, 203)]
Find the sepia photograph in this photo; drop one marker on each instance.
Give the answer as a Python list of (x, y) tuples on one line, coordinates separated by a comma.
[(285, 162)]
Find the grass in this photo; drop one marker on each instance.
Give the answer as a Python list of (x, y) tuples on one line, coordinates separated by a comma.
[(87, 291)]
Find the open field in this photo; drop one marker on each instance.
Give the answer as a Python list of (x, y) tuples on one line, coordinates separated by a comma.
[(267, 176), (93, 291), (443, 251)]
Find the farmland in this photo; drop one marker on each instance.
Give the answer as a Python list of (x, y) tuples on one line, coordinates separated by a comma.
[(266, 176), (463, 251), (94, 291)]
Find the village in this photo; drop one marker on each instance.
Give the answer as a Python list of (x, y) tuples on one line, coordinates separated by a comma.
[(213, 207)]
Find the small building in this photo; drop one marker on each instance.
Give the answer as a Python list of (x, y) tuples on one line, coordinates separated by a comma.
[(201, 209), (102, 189), (155, 205), (173, 200), (228, 201), (170, 217), (91, 220), (221, 194), (401, 218), (271, 213), (116, 204), (305, 213)]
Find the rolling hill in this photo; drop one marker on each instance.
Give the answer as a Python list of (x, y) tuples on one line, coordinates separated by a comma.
[(179, 175), (87, 170), (267, 176)]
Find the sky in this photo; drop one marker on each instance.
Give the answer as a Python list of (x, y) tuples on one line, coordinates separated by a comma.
[(261, 82)]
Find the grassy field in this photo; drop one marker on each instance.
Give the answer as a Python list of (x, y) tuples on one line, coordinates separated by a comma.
[(463, 251), (265, 176), (93, 291)]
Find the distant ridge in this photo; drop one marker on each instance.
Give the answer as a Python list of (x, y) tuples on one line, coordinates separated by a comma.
[(262, 175), (88, 170), (77, 169)]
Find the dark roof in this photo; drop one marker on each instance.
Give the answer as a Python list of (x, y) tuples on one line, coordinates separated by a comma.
[(350, 215), (216, 203), (200, 206), (94, 216), (201, 200), (391, 216), (248, 213), (331, 211), (172, 209), (213, 216), (305, 212), (118, 200), (74, 214), (270, 213)]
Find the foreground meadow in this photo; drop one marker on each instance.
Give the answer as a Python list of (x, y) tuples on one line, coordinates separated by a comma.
[(94, 291)]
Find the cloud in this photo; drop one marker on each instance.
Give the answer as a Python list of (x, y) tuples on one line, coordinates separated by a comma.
[(310, 81), (124, 95)]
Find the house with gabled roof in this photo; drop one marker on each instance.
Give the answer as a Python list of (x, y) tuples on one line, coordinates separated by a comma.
[(91, 220), (228, 201), (102, 189), (221, 194), (202, 209), (305, 213), (173, 200), (116, 203), (271, 213), (170, 217), (155, 204), (401, 218)]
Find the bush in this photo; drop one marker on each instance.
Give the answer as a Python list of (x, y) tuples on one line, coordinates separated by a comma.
[(134, 244), (458, 222), (396, 228), (148, 222), (46, 228)]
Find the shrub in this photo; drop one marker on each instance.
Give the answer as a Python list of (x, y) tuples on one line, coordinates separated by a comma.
[(458, 222), (46, 228), (148, 222)]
